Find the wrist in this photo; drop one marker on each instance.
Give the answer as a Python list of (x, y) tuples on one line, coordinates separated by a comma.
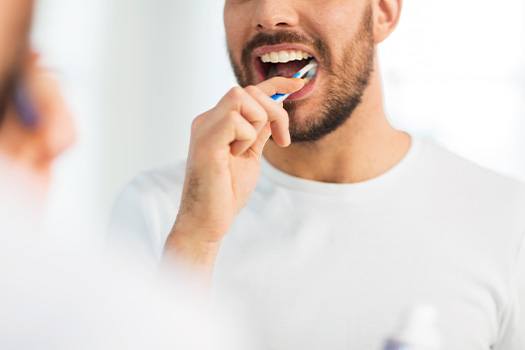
[(192, 238), (198, 230), (187, 245)]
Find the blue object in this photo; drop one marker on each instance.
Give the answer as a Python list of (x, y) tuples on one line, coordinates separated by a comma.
[(24, 106), (277, 96), (394, 345)]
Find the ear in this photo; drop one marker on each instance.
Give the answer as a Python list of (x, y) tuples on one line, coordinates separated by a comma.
[(386, 15)]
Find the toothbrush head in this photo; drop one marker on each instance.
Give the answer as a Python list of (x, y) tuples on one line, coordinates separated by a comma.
[(308, 70), (311, 73)]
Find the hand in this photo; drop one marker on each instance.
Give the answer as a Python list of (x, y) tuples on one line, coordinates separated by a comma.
[(33, 148), (224, 159)]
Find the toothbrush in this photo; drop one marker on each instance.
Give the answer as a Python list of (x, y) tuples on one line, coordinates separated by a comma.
[(307, 72), (24, 106)]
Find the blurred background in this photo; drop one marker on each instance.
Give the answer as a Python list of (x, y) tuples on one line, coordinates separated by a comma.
[(136, 72)]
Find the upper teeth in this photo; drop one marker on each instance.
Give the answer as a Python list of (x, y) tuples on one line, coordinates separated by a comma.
[(284, 56)]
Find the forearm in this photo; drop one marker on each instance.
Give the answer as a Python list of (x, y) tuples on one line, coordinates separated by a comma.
[(184, 251)]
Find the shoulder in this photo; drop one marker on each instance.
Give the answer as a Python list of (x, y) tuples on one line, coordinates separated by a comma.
[(488, 200), (461, 175), (147, 207), (155, 191), (165, 180)]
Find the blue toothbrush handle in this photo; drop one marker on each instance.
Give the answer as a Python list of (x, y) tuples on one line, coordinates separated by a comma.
[(24, 106), (277, 96)]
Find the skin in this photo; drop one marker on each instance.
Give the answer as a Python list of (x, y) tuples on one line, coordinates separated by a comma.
[(29, 151), (15, 17), (228, 141)]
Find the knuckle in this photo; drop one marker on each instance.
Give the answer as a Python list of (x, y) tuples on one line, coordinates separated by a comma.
[(235, 92), (264, 117), (231, 117), (251, 89), (250, 133), (196, 123), (280, 115), (254, 133), (283, 114), (282, 119)]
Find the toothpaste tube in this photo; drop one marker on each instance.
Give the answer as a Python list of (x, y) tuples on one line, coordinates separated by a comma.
[(418, 331)]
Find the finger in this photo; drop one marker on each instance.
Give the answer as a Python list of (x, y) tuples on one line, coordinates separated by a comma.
[(237, 99), (262, 139), (281, 85), (277, 116), (244, 134), (56, 125)]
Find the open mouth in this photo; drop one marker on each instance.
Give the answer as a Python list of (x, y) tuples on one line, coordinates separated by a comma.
[(272, 62)]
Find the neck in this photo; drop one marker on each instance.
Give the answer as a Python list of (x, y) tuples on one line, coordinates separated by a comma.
[(365, 147)]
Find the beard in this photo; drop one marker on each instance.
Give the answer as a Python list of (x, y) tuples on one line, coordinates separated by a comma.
[(344, 82)]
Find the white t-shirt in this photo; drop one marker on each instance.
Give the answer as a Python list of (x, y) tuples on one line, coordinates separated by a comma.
[(334, 266)]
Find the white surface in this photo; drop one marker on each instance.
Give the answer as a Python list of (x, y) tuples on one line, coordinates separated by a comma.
[(328, 266)]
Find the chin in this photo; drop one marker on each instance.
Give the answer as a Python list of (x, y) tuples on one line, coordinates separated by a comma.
[(301, 111)]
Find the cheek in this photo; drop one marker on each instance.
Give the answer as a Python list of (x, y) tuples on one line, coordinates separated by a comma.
[(235, 29), (336, 23), (233, 40)]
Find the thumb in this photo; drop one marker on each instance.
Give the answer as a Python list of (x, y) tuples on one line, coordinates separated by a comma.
[(281, 85)]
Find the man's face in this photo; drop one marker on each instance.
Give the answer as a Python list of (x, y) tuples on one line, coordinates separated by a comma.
[(15, 18), (338, 34)]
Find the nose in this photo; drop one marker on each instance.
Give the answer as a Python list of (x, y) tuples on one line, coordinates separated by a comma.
[(275, 14)]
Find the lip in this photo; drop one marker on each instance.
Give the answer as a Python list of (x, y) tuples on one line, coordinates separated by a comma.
[(306, 91), (257, 64), (299, 95)]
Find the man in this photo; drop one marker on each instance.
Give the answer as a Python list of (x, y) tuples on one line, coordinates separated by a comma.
[(350, 221), (35, 123)]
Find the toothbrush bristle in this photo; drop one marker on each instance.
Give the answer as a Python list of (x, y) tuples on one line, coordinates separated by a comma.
[(307, 70), (311, 73)]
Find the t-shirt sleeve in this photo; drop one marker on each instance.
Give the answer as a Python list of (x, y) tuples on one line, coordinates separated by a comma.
[(520, 329), (141, 219), (514, 337)]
